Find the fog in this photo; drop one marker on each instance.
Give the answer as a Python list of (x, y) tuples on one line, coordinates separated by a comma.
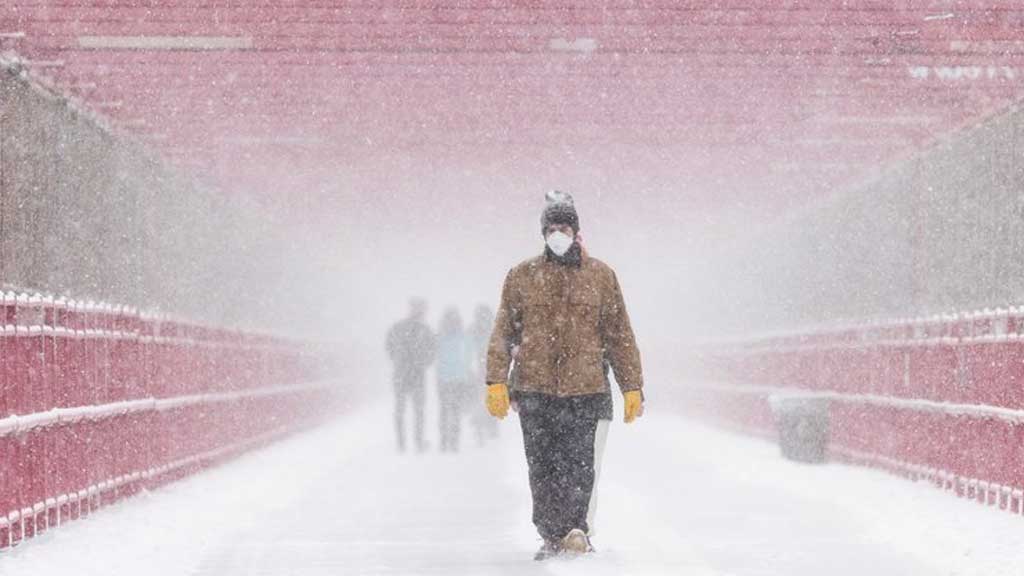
[(214, 216), (450, 233)]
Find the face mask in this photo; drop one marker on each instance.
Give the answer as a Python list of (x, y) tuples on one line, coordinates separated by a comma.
[(559, 242)]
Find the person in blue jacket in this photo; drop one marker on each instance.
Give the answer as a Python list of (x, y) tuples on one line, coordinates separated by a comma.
[(454, 361)]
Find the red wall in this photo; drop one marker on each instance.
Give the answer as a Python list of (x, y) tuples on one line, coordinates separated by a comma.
[(940, 399), (98, 402)]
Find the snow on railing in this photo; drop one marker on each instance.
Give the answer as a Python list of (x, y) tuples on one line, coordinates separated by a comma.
[(15, 424), (943, 393), (975, 325), (98, 401), (975, 411)]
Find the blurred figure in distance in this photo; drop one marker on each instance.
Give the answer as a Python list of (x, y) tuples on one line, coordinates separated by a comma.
[(411, 347), (454, 359), (484, 427)]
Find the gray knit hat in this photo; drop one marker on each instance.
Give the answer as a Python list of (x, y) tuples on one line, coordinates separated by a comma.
[(559, 209)]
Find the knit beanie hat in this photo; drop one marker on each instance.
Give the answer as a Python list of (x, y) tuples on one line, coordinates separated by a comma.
[(559, 209)]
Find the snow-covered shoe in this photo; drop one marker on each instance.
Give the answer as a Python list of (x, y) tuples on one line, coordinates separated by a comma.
[(547, 550), (576, 541)]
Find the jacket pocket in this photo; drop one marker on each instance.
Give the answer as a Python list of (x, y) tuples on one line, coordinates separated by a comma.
[(585, 297), (586, 371), (585, 319), (537, 325), (537, 347)]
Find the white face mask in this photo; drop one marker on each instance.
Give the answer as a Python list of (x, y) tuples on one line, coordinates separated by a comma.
[(559, 242)]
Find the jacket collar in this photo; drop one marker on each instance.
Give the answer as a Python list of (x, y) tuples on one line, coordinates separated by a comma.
[(572, 259)]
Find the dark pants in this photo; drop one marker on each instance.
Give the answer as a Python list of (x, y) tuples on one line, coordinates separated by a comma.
[(410, 392), (558, 434)]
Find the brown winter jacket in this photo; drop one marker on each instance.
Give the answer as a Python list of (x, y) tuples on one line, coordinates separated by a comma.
[(566, 321)]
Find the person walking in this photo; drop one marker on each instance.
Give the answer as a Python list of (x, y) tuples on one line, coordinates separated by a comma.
[(411, 346), (564, 315), (454, 357), (484, 427)]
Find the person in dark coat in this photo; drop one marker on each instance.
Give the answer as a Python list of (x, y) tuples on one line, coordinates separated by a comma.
[(563, 319), (411, 345)]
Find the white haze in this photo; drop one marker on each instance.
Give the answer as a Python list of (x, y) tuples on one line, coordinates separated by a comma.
[(449, 235)]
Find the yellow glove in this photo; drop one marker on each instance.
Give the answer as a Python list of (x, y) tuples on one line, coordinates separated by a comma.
[(497, 399), (634, 405)]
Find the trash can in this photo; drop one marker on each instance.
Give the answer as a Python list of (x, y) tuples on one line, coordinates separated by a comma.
[(803, 425)]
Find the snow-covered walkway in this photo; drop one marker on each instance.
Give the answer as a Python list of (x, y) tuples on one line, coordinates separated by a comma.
[(676, 498)]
